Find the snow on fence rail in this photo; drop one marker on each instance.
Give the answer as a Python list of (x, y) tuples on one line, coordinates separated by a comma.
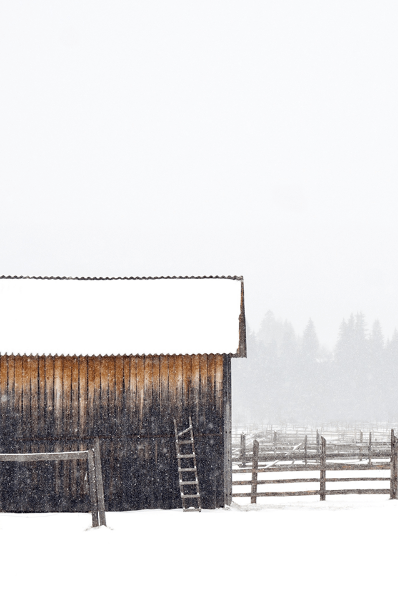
[(323, 467), (341, 433)]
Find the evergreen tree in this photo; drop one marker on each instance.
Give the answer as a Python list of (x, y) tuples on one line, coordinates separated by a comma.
[(376, 342), (310, 344), (286, 378), (391, 376)]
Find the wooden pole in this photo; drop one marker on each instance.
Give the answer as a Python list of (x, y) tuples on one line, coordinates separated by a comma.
[(243, 449), (370, 448), (254, 472), (394, 465), (305, 450), (93, 490), (322, 486), (99, 483)]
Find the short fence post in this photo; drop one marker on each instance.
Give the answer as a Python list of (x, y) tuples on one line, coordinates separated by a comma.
[(394, 465), (254, 472), (370, 448), (322, 482), (93, 487), (305, 450), (243, 449), (361, 436), (99, 483)]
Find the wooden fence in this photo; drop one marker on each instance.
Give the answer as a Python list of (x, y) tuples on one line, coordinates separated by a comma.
[(94, 472), (322, 467), (343, 433), (309, 451)]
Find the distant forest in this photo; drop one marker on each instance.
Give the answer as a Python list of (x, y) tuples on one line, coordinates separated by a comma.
[(291, 378)]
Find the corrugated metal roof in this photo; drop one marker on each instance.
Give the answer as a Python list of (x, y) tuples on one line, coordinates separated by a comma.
[(174, 315)]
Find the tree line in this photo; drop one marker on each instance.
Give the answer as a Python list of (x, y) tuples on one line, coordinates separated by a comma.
[(291, 378)]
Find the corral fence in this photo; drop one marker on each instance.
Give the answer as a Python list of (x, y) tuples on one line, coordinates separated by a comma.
[(307, 448), (323, 466), (339, 432)]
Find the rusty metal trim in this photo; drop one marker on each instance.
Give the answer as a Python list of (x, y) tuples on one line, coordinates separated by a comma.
[(242, 348), (93, 278)]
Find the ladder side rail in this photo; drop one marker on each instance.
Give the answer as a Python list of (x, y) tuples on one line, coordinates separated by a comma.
[(179, 465), (196, 467)]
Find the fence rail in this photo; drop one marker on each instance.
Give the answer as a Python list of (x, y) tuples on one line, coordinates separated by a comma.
[(323, 467), (94, 470)]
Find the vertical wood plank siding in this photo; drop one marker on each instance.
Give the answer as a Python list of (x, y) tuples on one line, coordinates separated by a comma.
[(50, 403)]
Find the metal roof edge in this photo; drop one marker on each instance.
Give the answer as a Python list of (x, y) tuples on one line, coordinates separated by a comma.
[(88, 278), (33, 356)]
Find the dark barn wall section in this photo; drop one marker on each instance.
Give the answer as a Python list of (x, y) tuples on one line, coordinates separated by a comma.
[(50, 403)]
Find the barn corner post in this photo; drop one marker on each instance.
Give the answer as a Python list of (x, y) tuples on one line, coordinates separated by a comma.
[(227, 431), (227, 398)]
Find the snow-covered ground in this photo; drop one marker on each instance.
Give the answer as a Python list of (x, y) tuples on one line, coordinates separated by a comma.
[(346, 544)]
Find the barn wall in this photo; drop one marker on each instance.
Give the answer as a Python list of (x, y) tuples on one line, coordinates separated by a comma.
[(54, 403)]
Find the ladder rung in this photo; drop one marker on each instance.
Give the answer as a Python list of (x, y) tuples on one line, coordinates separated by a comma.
[(190, 496), (192, 509), (188, 482), (187, 469), (185, 455), (185, 431), (185, 441)]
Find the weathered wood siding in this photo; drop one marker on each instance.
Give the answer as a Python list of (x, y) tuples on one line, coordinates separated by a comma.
[(50, 403)]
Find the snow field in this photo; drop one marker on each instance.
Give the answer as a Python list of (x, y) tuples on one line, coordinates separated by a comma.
[(276, 546)]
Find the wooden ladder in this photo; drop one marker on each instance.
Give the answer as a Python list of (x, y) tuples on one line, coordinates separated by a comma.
[(189, 489)]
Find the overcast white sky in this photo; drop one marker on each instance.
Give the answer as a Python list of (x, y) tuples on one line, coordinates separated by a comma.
[(255, 138)]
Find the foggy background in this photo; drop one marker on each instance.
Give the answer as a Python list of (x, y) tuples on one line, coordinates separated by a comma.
[(211, 138)]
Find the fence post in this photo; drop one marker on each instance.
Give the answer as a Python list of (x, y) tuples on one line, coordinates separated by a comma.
[(361, 436), (370, 448), (305, 450), (99, 482), (93, 487), (254, 472), (243, 449), (394, 465), (322, 482), (317, 441)]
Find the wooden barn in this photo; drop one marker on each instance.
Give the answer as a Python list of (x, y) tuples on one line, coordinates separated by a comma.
[(67, 376)]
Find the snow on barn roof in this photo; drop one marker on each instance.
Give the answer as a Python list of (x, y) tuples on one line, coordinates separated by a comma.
[(122, 316)]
